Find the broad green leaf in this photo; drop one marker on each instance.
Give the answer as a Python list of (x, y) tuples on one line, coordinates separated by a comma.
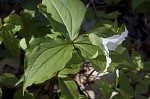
[(9, 39), (104, 23), (18, 95), (105, 87), (146, 66), (99, 63), (137, 96), (35, 24), (91, 52), (146, 80), (73, 69), (88, 50), (103, 28), (90, 14), (14, 22), (31, 4), (8, 79), (31, 13), (67, 12), (76, 58), (136, 3), (57, 27), (125, 89), (102, 32), (135, 77), (44, 57), (121, 59), (74, 65), (112, 15), (96, 41), (68, 88), (141, 89)]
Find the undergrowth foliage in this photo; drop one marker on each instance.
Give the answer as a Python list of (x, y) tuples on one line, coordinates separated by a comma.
[(49, 32)]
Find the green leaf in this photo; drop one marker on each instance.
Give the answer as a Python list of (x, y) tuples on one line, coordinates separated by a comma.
[(88, 50), (8, 79), (68, 88), (91, 52), (105, 87), (141, 89), (146, 80), (135, 77), (121, 29), (18, 95), (112, 15), (102, 32), (73, 69), (116, 25), (121, 59), (137, 96), (137, 3), (146, 66), (9, 39), (125, 89), (96, 41), (44, 57), (57, 27), (74, 65), (99, 63), (67, 12), (35, 24), (14, 22), (30, 5)]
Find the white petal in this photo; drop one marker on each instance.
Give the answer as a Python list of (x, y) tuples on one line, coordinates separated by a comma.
[(111, 43)]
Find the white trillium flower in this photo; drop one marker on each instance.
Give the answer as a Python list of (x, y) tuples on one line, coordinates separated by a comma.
[(111, 43)]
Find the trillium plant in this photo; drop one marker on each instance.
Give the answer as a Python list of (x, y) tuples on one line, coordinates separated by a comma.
[(47, 57)]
